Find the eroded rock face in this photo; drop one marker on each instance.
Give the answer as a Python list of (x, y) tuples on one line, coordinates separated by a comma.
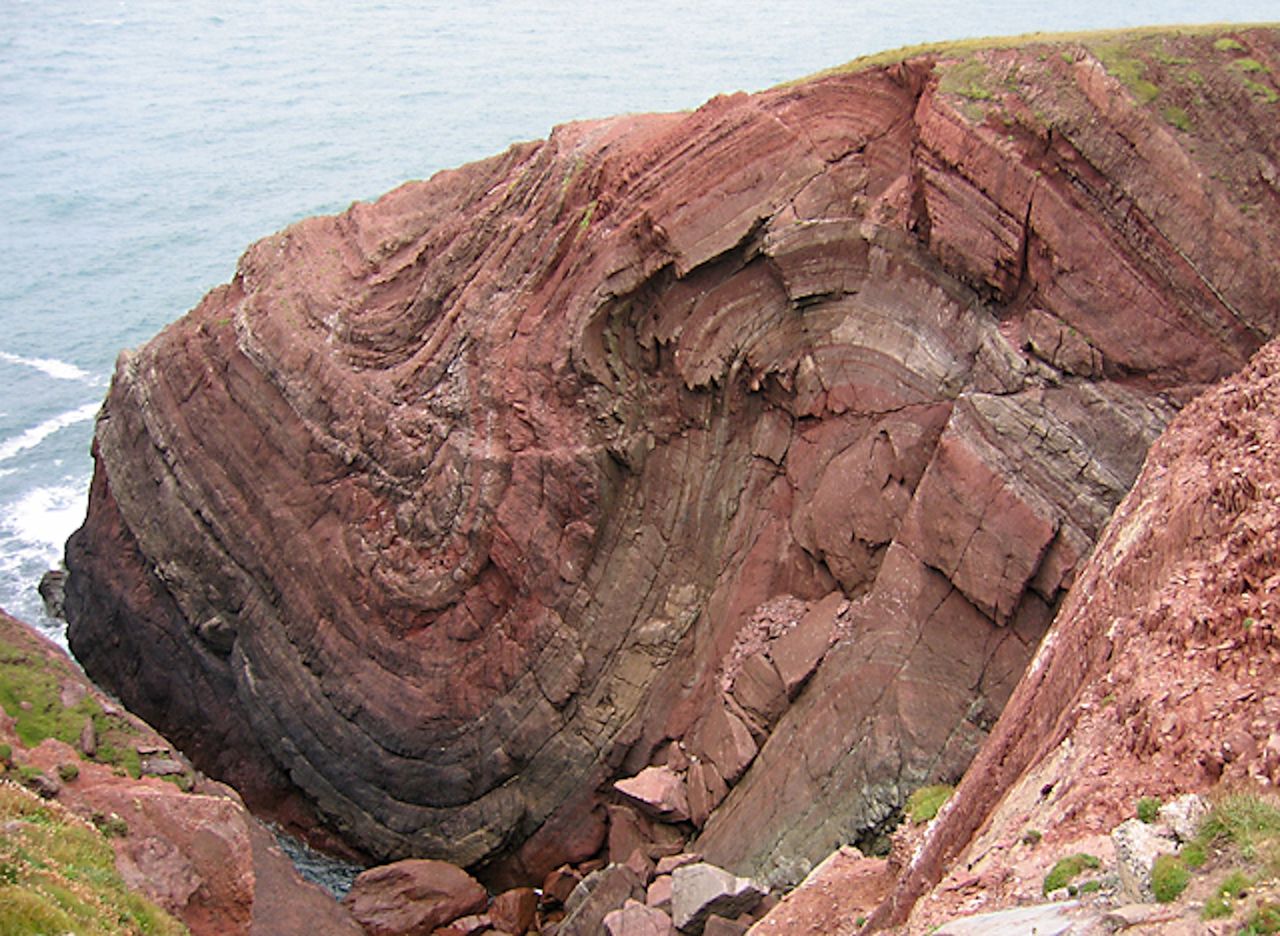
[(775, 432), (1155, 679)]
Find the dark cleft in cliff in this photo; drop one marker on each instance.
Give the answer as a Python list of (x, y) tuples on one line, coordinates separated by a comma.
[(761, 442)]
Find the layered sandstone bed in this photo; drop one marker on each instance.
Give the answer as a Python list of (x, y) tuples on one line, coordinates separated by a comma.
[(761, 443)]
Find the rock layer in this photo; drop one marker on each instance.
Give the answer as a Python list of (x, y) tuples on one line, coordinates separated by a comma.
[(775, 432)]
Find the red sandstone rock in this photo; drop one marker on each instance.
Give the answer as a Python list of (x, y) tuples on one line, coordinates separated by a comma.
[(844, 888), (515, 910), (706, 791), (521, 448), (658, 893), (559, 884), (413, 896), (797, 653), (659, 791), (599, 894), (635, 919)]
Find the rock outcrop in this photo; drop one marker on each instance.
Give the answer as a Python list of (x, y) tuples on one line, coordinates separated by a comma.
[(761, 442), (1155, 679)]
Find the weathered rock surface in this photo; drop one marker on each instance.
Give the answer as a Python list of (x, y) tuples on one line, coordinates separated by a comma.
[(659, 791), (1137, 846), (600, 893), (1058, 919), (1155, 679), (777, 430), (845, 888), (412, 897), (635, 919), (515, 910), (700, 890), (199, 855)]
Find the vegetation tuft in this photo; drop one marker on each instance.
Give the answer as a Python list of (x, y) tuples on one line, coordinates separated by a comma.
[(924, 803), (968, 79), (1177, 118), (1249, 65), (1121, 62), (1249, 824), (1265, 919), (1067, 869), (1148, 809), (1193, 855), (1169, 878)]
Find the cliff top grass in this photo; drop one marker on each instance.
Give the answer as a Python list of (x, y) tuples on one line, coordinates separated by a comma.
[(58, 875), (1090, 39), (31, 692)]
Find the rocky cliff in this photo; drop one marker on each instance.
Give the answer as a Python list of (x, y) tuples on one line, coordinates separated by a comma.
[(1153, 680), (762, 442)]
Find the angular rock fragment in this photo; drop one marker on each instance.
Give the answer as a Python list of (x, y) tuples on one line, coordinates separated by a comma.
[(659, 791), (699, 890), (514, 911), (600, 893), (636, 919)]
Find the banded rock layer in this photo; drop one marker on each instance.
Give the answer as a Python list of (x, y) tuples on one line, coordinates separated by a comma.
[(761, 441)]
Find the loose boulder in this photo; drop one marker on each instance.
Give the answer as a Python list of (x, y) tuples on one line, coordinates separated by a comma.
[(411, 897)]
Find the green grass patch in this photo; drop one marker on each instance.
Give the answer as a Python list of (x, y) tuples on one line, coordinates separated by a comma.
[(924, 803), (1194, 855), (1265, 919), (1122, 64), (1235, 885), (1261, 91), (965, 47), (26, 678), (1067, 869), (1252, 66), (1177, 118), (30, 691), (1248, 823), (1148, 809), (1169, 878), (1216, 907), (1227, 44), (968, 79), (58, 875)]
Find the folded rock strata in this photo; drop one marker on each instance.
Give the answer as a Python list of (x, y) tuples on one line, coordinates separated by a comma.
[(770, 434)]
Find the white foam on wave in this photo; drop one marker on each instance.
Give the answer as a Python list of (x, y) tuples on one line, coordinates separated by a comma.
[(51, 367), (43, 518), (37, 434)]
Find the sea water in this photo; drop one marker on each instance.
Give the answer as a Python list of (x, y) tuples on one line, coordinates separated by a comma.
[(145, 143)]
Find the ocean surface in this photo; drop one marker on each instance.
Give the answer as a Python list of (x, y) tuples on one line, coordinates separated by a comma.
[(145, 143)]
